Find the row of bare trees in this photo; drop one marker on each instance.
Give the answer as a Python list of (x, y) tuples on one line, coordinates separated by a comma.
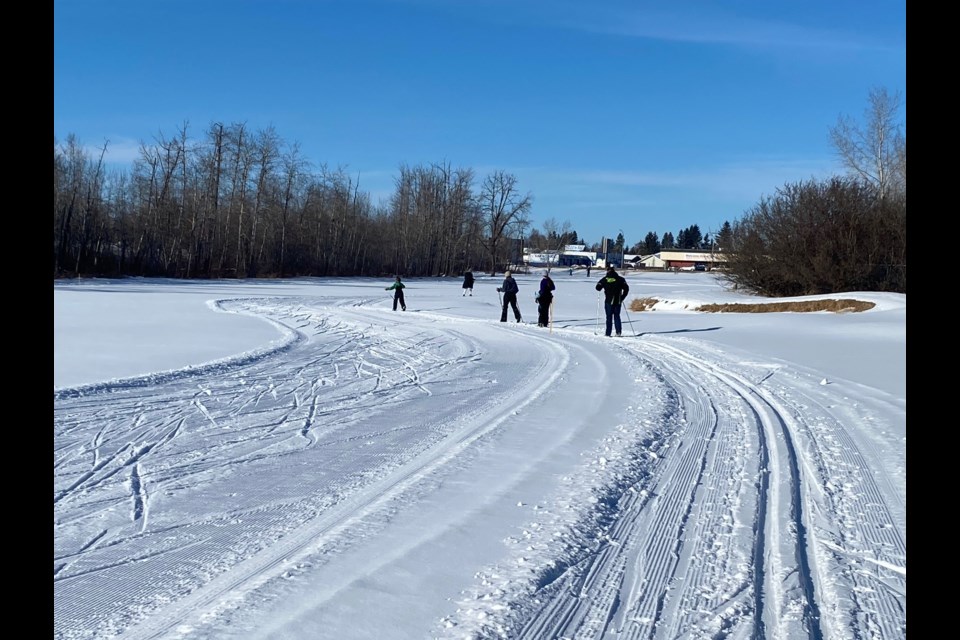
[(242, 203)]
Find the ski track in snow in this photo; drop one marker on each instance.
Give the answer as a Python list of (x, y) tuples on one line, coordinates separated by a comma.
[(729, 502)]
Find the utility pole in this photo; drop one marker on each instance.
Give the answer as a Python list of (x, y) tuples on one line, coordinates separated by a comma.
[(623, 241)]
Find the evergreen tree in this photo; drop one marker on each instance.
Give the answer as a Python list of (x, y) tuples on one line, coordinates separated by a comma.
[(725, 237), (690, 238), (651, 244)]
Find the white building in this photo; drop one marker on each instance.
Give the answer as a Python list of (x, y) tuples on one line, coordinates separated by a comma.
[(571, 255)]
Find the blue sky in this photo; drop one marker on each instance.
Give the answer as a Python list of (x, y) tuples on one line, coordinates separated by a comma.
[(615, 115)]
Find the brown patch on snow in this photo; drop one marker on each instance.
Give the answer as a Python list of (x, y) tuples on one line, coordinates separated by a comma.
[(836, 306)]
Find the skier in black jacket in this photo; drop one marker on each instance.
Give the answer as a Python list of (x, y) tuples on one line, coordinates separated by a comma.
[(615, 290), (544, 300), (510, 290)]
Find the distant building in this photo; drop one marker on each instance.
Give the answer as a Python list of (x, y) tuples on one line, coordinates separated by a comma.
[(652, 261), (533, 258), (681, 259), (578, 257), (617, 260), (572, 255)]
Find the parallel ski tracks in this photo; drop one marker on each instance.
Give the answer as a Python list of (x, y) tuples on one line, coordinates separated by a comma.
[(742, 456), (673, 564)]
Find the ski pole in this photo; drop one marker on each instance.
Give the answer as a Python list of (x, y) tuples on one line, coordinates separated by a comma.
[(630, 320), (550, 311), (597, 327)]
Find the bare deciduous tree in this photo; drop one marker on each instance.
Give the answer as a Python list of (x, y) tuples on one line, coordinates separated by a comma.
[(875, 151), (558, 236), (294, 169), (503, 209)]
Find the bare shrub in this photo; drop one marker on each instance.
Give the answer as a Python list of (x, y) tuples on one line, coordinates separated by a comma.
[(816, 238)]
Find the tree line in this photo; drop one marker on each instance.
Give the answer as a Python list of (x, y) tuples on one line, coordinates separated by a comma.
[(241, 203), (690, 238), (245, 204)]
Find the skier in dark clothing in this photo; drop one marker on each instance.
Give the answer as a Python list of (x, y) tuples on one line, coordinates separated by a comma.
[(398, 294), (510, 290), (615, 290), (468, 282), (544, 300)]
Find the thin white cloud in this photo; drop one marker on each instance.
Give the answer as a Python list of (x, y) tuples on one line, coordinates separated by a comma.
[(716, 28), (745, 179), (693, 22)]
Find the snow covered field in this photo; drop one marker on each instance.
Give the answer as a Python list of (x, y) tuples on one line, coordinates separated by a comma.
[(292, 459)]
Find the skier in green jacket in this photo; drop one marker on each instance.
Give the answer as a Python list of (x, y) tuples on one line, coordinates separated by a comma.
[(398, 294)]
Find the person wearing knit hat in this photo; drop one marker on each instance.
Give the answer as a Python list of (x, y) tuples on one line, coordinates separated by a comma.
[(510, 290)]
